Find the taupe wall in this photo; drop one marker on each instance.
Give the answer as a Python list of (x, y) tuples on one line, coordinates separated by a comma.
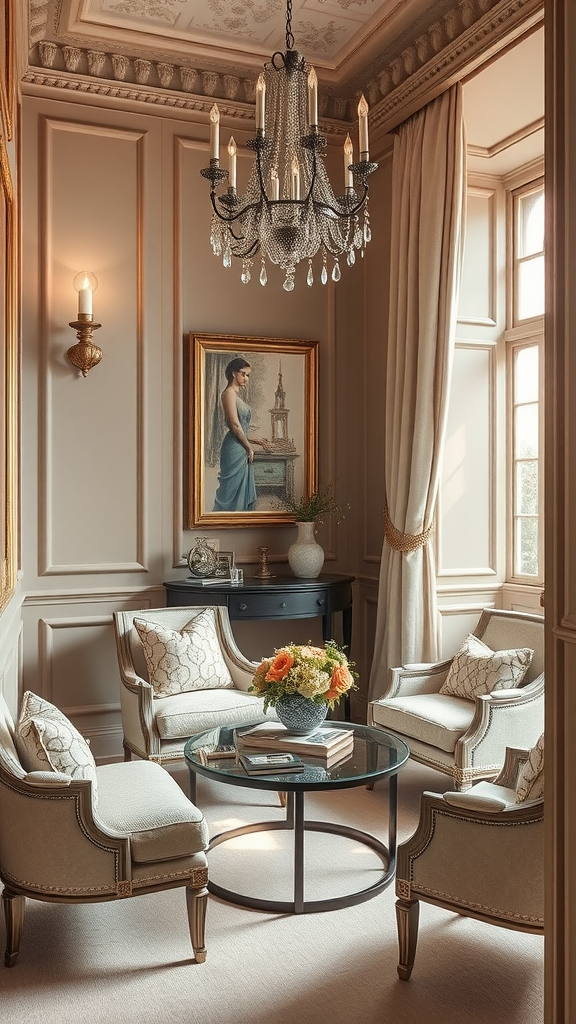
[(119, 192)]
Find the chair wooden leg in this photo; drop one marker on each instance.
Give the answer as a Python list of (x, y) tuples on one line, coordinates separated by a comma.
[(196, 903), (14, 906), (407, 917), (283, 798), (127, 753)]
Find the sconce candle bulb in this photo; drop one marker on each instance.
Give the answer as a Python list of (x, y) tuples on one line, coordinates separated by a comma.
[(85, 284), (85, 354)]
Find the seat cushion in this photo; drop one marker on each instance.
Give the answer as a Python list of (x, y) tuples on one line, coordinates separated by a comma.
[(184, 714), (47, 741), (476, 669), (179, 661), (142, 800), (429, 717), (530, 782)]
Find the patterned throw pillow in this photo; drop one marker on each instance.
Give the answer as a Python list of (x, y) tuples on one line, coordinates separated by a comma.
[(476, 669), (178, 662), (47, 741), (530, 784)]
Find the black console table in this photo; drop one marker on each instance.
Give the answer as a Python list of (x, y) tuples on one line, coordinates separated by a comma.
[(278, 597)]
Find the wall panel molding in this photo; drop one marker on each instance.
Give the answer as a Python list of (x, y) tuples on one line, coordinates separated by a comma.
[(51, 132)]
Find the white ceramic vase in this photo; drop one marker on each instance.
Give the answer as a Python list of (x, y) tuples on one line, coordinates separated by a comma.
[(305, 556)]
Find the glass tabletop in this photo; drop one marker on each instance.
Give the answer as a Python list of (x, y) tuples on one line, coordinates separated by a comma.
[(375, 754)]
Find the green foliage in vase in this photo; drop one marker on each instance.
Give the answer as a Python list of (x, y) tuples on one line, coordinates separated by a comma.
[(315, 507)]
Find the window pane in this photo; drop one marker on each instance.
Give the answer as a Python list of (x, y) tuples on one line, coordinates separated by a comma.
[(526, 547), (526, 433), (531, 224), (527, 488), (531, 288), (526, 374)]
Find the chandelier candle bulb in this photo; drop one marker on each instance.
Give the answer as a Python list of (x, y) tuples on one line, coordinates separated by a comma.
[(232, 164), (275, 181), (214, 133), (363, 127), (348, 158), (260, 104), (313, 98), (295, 179)]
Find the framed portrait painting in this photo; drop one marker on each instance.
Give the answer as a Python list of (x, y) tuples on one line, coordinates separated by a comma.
[(251, 428)]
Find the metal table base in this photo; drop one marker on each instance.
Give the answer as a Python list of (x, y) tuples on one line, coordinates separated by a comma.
[(296, 822)]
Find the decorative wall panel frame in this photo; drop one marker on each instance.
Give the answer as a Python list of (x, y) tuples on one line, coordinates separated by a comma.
[(8, 383)]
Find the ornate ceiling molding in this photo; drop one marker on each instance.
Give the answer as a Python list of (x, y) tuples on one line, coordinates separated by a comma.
[(455, 45), (458, 41)]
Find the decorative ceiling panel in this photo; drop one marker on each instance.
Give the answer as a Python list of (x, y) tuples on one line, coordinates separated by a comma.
[(327, 31)]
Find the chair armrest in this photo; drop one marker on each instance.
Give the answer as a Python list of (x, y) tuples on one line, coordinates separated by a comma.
[(515, 758), (410, 680), (84, 855), (500, 722)]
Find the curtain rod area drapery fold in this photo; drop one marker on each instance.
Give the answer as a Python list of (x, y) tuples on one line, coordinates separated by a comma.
[(428, 216)]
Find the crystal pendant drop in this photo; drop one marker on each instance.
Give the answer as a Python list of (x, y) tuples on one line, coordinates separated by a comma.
[(324, 275), (351, 257), (310, 275), (263, 274), (336, 272), (288, 285), (358, 237), (227, 258), (245, 276), (367, 232)]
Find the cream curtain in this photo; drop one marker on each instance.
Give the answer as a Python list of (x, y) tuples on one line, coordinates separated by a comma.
[(428, 197)]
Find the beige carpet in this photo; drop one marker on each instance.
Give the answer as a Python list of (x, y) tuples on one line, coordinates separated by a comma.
[(130, 962)]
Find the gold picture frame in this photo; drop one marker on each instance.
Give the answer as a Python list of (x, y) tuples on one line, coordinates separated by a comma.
[(282, 398), (8, 383)]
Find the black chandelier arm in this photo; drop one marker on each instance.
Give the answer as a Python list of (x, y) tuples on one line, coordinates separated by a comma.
[(348, 211), (230, 218)]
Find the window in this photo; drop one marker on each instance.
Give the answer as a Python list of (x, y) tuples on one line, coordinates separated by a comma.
[(525, 346), (528, 209)]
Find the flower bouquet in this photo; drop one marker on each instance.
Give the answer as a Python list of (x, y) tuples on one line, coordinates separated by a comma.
[(321, 674)]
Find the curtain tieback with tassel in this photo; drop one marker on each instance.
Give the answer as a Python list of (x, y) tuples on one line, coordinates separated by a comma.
[(404, 542)]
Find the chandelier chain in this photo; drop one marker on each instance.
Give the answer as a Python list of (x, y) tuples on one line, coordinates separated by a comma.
[(289, 36)]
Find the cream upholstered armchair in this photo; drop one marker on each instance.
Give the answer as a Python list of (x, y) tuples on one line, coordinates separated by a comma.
[(479, 854), (72, 832), (181, 672), (464, 732)]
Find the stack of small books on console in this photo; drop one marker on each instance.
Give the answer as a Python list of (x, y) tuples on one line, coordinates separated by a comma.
[(328, 744)]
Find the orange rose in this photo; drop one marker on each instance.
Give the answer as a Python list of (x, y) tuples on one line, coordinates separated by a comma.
[(340, 682), (280, 667)]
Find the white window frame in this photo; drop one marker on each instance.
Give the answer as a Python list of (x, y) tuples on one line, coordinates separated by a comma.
[(521, 334)]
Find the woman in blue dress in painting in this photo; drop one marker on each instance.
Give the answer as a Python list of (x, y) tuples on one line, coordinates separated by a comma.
[(236, 489)]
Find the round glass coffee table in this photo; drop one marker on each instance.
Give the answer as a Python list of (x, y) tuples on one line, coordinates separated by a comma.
[(376, 755)]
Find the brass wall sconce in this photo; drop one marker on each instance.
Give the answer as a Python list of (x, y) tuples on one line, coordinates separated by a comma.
[(85, 354)]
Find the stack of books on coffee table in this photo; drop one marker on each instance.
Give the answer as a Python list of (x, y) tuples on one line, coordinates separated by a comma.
[(328, 744)]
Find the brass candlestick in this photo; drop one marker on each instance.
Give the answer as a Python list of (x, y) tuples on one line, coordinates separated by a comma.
[(263, 570), (85, 354)]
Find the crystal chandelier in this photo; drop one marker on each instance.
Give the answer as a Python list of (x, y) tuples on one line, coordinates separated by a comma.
[(289, 210)]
